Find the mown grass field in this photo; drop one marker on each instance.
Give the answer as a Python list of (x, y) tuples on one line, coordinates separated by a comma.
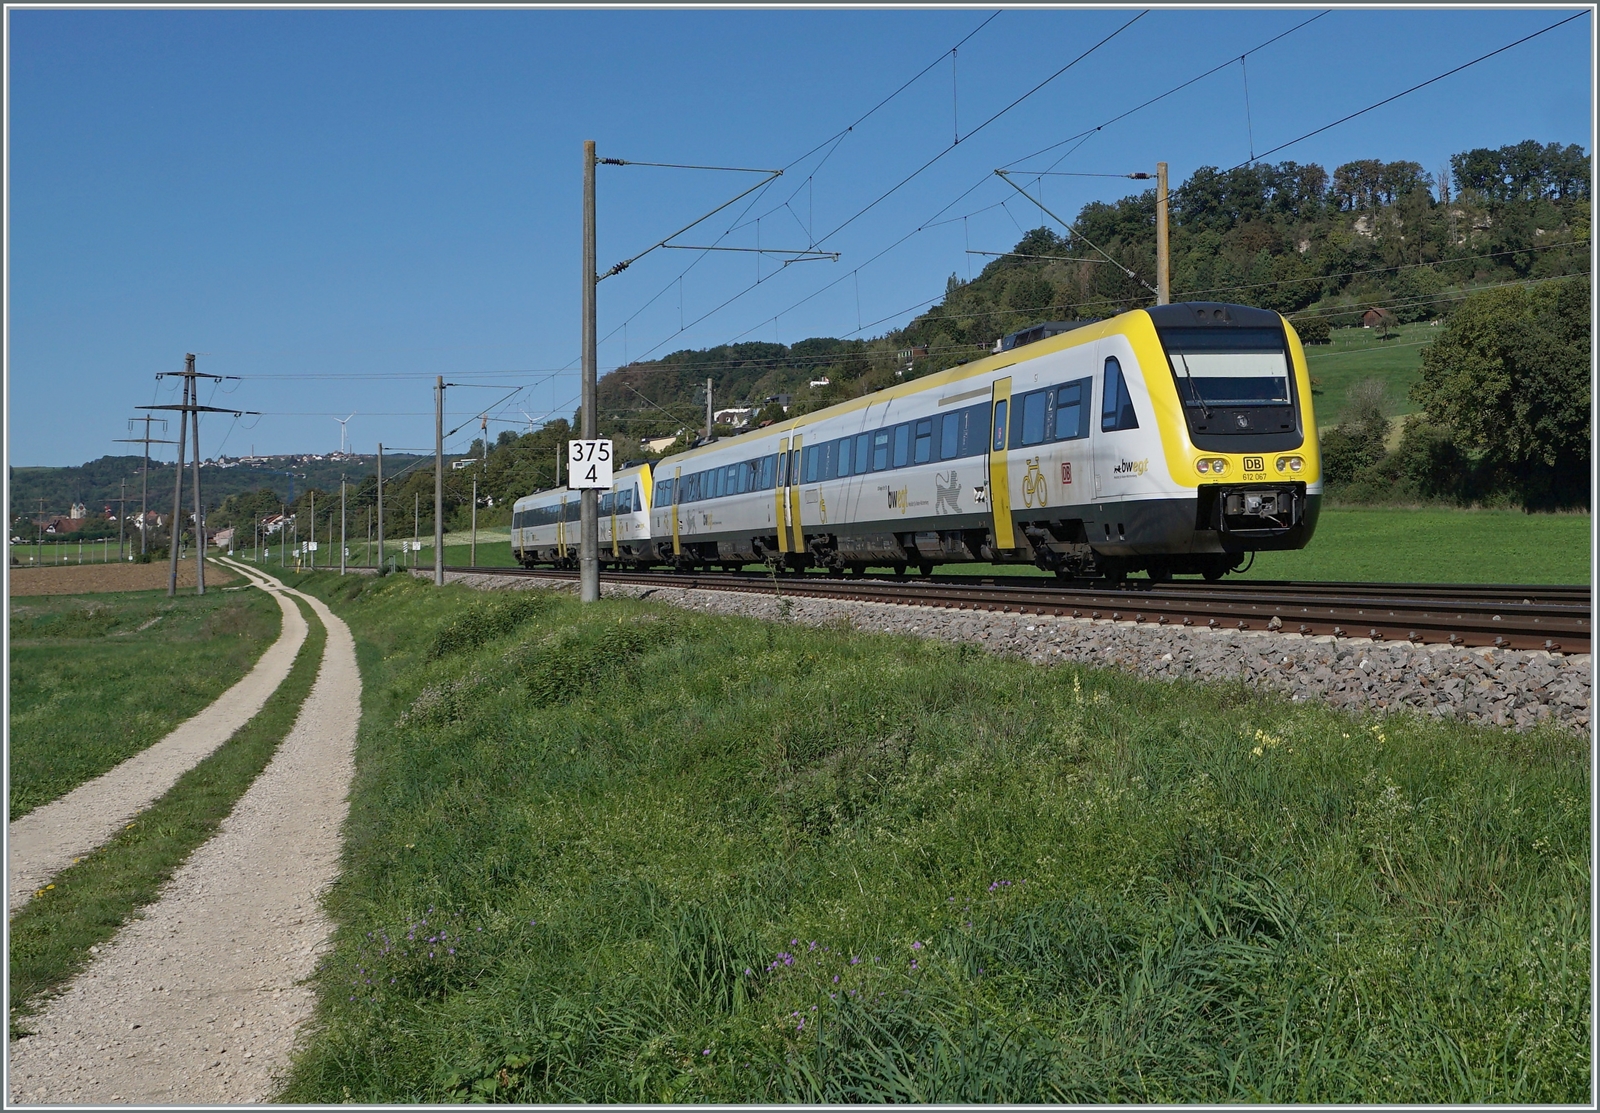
[(1355, 354), (632, 853), (85, 904), (97, 678), (1436, 545), (1377, 544)]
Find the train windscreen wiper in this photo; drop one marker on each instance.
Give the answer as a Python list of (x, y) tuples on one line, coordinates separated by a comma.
[(1193, 390)]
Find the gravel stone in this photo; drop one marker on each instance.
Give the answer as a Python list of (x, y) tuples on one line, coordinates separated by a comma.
[(1356, 674)]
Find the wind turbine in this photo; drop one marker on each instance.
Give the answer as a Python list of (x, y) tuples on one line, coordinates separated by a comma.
[(342, 421)]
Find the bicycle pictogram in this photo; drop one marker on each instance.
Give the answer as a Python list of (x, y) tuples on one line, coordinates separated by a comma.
[(1034, 487)]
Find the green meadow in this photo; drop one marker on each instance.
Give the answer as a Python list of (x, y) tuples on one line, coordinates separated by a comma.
[(630, 853), (97, 678)]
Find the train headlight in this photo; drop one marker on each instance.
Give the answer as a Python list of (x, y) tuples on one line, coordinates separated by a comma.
[(1210, 465), (1202, 465), (1290, 463), (1218, 465)]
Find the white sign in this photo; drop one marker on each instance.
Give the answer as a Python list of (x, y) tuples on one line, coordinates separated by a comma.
[(312, 546), (589, 465)]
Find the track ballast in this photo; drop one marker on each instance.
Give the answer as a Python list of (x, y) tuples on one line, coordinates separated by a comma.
[(1507, 616)]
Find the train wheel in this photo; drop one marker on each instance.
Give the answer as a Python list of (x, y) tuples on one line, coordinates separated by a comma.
[(1160, 574), (836, 573), (925, 569), (857, 571), (899, 570)]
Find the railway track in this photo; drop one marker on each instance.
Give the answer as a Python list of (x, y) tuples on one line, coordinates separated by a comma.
[(1507, 616)]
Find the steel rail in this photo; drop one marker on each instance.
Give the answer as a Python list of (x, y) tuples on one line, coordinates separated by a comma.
[(1556, 619)]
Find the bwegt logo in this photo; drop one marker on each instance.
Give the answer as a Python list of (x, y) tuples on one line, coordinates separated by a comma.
[(1132, 467)]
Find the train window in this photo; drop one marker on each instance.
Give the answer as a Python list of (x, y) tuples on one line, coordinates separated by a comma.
[(769, 472), (950, 436), (863, 458), (1116, 406), (845, 444), (810, 457), (1072, 410), (922, 449), (663, 492), (1034, 409), (902, 445), (880, 450), (783, 469), (730, 479), (606, 502), (794, 465), (1000, 408)]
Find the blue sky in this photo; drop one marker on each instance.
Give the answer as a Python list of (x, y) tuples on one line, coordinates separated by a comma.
[(338, 205)]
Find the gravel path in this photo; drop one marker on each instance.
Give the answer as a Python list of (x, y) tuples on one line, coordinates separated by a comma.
[(199, 1002), (1507, 688), (47, 839)]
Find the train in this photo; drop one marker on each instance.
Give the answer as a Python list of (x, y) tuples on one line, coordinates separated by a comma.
[(1172, 440)]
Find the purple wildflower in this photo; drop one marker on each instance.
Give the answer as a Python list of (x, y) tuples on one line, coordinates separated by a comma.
[(916, 945)]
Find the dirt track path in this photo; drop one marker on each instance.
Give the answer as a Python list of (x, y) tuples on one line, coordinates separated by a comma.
[(47, 839), (199, 1002)]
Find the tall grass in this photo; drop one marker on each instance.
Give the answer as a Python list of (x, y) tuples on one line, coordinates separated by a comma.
[(632, 853)]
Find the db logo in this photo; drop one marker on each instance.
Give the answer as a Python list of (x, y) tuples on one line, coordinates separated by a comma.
[(1066, 473), (1254, 463)]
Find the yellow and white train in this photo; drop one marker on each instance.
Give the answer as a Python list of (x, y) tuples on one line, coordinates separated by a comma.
[(544, 525), (1175, 439)]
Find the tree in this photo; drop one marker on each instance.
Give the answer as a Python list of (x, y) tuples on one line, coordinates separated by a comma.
[(1510, 375)]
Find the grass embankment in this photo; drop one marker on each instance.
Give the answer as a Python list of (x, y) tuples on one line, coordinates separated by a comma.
[(86, 903), (97, 678), (633, 853)]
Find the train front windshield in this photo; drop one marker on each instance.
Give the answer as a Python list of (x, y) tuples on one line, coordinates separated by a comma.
[(1228, 367)]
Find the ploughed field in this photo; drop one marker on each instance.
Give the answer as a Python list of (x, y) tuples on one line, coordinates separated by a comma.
[(627, 852)]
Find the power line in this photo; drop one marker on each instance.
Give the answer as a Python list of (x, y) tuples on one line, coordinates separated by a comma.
[(1163, 96), (893, 189), (1281, 146), (933, 221), (1413, 89), (835, 139)]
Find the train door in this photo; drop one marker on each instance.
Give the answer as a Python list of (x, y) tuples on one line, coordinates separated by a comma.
[(798, 544), (781, 510), (677, 490), (999, 466), (561, 531), (616, 552), (1114, 443)]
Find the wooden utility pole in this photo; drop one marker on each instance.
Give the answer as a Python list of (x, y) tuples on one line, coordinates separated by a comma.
[(312, 552), (708, 409), (380, 506), (1163, 245), (416, 527), (144, 477), (473, 559), (589, 499), (438, 483), (341, 525), (122, 519)]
